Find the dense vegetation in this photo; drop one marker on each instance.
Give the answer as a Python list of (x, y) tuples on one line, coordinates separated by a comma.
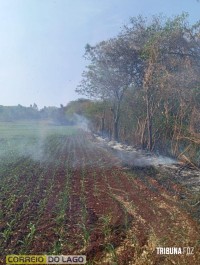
[(145, 86)]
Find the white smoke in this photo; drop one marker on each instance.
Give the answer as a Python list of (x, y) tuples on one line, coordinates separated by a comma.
[(81, 122), (134, 157)]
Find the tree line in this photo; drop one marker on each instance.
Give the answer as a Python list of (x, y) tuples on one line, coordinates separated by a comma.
[(19, 112), (144, 85)]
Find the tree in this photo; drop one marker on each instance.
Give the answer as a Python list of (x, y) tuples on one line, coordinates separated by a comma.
[(110, 74), (152, 67), (169, 51)]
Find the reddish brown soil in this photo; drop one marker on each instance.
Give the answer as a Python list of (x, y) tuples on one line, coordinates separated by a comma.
[(111, 215)]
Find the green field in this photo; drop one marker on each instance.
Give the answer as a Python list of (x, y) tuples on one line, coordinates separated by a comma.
[(27, 138)]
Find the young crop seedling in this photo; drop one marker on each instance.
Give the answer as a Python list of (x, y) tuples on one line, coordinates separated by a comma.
[(106, 228), (28, 238), (7, 232), (85, 233), (112, 253), (57, 247)]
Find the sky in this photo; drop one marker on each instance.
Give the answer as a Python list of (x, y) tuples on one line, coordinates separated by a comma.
[(42, 42)]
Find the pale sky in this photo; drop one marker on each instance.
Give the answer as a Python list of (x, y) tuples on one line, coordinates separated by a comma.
[(42, 42)]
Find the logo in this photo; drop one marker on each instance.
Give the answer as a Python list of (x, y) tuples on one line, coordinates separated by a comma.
[(175, 250), (44, 259)]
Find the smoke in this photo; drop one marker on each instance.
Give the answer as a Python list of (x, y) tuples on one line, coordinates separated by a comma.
[(38, 141), (21, 147), (131, 156), (81, 122), (132, 159), (26, 139)]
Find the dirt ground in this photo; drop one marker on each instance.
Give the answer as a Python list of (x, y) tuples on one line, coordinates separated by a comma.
[(112, 214)]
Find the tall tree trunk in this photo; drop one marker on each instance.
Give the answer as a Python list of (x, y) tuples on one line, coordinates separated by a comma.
[(116, 130), (142, 135), (103, 119), (116, 114), (149, 123), (102, 126)]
